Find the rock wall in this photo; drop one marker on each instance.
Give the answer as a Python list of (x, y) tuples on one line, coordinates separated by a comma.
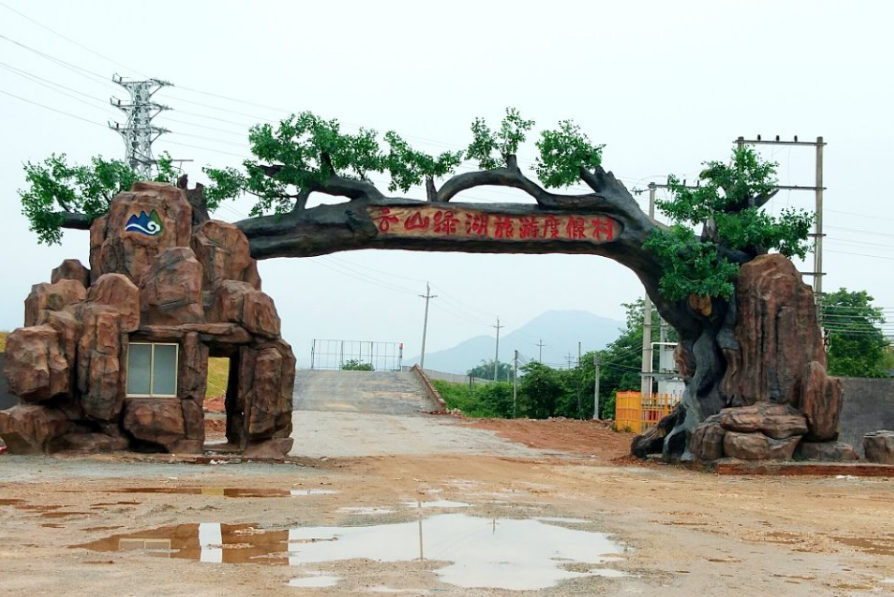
[(155, 277), (781, 403)]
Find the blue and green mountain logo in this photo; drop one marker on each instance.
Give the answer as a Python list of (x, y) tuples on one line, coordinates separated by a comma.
[(149, 225)]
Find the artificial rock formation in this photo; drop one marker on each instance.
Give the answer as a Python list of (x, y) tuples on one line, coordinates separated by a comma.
[(154, 278), (879, 446), (780, 401)]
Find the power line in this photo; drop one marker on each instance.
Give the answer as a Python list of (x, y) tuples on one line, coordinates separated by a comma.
[(63, 112), (68, 39)]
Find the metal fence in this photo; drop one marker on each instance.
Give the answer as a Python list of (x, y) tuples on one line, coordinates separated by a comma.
[(334, 354)]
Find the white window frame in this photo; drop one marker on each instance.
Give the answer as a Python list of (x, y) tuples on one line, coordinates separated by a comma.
[(151, 394)]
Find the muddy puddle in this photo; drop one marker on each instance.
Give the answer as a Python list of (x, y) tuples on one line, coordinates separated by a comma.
[(475, 552)]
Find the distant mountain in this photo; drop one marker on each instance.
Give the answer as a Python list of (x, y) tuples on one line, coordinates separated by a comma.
[(560, 332)]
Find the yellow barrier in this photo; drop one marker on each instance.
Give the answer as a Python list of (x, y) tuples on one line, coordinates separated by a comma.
[(638, 414)]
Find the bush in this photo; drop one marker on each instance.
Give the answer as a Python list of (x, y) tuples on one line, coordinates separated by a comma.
[(493, 400), (357, 365)]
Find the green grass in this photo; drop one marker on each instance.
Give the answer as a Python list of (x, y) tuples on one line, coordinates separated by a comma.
[(3, 336), (218, 373)]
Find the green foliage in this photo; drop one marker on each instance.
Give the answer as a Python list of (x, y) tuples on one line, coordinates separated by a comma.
[(56, 186), (485, 370), (857, 347), (409, 167), (563, 153), (542, 389), (493, 400), (691, 266), (727, 203), (491, 149), (307, 150), (356, 365)]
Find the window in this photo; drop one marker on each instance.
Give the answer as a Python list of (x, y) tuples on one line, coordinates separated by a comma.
[(152, 370)]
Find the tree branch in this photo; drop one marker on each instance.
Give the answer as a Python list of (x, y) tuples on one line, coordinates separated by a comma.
[(74, 221), (761, 200)]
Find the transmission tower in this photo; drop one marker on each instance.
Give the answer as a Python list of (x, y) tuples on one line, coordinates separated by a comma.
[(139, 132)]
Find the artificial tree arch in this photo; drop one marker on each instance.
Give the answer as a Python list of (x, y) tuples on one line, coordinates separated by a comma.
[(690, 278)]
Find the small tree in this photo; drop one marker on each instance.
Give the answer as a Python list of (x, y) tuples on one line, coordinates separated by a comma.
[(857, 347), (541, 389)]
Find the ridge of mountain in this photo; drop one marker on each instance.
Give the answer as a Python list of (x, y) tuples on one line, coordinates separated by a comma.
[(559, 331)]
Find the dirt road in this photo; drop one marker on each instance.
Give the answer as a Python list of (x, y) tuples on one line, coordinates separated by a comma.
[(557, 517)]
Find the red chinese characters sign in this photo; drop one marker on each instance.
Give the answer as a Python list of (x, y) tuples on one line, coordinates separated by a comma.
[(468, 224)]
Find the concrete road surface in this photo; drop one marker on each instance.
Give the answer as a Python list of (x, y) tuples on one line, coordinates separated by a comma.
[(341, 414)]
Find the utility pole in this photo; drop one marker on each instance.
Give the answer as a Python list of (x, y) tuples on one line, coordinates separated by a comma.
[(578, 354), (515, 385), (646, 381), (596, 386), (427, 296), (818, 189), (138, 132), (540, 345), (497, 356)]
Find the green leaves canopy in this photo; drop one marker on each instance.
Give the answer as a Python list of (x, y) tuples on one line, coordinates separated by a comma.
[(857, 346), (56, 187), (727, 204)]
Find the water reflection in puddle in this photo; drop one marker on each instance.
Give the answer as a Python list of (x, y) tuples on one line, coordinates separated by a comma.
[(434, 504), (486, 553), (320, 581), (231, 492)]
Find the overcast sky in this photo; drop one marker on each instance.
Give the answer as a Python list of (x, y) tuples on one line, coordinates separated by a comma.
[(665, 85)]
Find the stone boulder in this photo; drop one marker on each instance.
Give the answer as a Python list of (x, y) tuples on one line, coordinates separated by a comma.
[(71, 269), (52, 297), (825, 452), (757, 446), (223, 251), (776, 333), (158, 422), (706, 441), (269, 449), (266, 379), (32, 429), (239, 302), (35, 364), (778, 421), (776, 354), (91, 443), (100, 351), (120, 295), (822, 399), (127, 239), (879, 446), (171, 289)]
